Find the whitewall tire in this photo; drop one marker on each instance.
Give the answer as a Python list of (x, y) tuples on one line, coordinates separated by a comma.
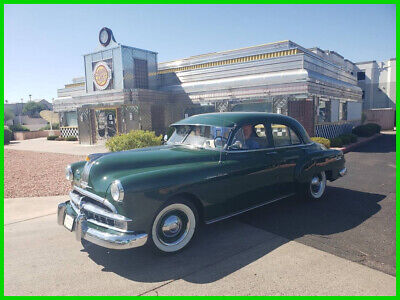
[(174, 227)]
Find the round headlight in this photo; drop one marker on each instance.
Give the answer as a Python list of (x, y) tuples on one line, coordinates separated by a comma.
[(68, 173), (117, 191)]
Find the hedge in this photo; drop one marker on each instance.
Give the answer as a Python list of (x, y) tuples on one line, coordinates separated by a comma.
[(323, 141), (71, 138), (52, 137), (18, 127), (8, 136), (336, 142), (367, 130), (132, 140)]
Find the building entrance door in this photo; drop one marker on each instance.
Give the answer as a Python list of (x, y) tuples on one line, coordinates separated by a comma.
[(106, 123)]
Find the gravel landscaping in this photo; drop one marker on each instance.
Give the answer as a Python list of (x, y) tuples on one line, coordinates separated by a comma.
[(28, 173)]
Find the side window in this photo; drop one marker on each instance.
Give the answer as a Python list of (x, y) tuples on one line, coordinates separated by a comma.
[(284, 136), (250, 137)]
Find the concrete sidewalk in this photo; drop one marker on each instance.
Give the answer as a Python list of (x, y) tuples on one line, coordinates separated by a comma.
[(226, 258), (22, 209), (43, 145)]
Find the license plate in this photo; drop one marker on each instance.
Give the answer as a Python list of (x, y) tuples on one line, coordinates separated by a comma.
[(69, 222)]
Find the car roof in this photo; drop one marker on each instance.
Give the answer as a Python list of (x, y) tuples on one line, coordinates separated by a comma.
[(230, 119)]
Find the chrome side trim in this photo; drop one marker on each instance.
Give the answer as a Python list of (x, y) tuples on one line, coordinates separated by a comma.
[(247, 209), (96, 198)]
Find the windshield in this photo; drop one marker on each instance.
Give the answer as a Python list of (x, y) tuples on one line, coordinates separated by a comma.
[(201, 136)]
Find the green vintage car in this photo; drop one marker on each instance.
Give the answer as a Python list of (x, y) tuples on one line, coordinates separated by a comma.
[(213, 166)]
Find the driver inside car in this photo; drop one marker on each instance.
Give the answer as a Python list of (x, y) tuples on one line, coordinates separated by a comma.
[(249, 137)]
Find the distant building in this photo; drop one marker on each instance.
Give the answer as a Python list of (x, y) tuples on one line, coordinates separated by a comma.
[(23, 119), (378, 83), (126, 88)]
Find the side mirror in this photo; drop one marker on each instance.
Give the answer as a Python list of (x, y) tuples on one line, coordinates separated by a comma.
[(218, 142), (237, 145), (165, 138)]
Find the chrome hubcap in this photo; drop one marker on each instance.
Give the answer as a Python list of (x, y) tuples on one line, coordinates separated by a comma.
[(315, 181), (318, 184), (171, 226)]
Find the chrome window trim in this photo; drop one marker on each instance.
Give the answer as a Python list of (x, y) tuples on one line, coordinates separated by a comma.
[(96, 198), (270, 148)]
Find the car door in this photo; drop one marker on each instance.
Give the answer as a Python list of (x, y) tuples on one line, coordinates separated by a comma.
[(289, 150), (250, 173)]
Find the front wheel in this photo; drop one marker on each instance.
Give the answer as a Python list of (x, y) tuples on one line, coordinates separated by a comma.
[(174, 227), (315, 188)]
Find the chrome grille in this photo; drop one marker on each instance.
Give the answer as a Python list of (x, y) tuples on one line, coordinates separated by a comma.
[(99, 218), (97, 213)]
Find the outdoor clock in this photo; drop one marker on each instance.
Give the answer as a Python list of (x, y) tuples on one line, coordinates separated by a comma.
[(105, 36)]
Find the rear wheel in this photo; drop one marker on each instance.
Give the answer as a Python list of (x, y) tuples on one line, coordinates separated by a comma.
[(315, 188), (174, 227)]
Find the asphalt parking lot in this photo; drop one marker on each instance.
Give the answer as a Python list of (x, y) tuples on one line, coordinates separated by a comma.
[(357, 220), (344, 245)]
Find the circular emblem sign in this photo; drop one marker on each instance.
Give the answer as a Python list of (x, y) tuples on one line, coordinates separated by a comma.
[(101, 75)]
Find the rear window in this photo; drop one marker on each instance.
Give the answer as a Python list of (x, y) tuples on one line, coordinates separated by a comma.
[(284, 135)]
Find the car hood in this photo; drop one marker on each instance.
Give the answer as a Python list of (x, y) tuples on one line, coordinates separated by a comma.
[(103, 169)]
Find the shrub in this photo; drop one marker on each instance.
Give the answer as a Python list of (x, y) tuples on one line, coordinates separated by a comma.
[(60, 138), (353, 137), (366, 130), (52, 137), (47, 127), (8, 136), (346, 139), (323, 141), (336, 142), (18, 127), (376, 127), (71, 138), (132, 140)]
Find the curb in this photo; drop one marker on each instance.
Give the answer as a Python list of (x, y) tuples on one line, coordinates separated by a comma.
[(350, 147)]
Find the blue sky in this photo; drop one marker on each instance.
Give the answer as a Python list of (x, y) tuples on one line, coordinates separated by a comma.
[(44, 44)]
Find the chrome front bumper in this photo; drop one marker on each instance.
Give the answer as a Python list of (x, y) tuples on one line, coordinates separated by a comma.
[(107, 238)]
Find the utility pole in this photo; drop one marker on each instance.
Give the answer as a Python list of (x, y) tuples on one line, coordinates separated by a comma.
[(30, 97), (20, 112)]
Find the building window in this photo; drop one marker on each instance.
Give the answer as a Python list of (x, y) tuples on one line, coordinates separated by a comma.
[(363, 95), (360, 75), (141, 74), (324, 111), (343, 111)]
